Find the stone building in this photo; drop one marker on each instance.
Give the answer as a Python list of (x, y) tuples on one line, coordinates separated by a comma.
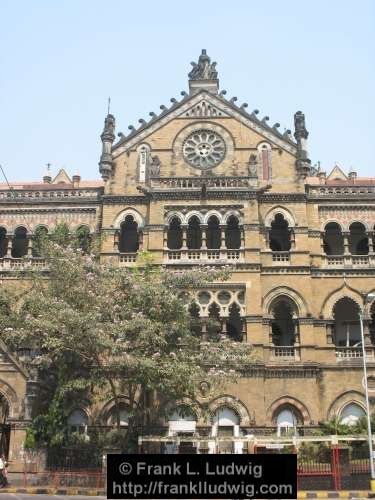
[(205, 182)]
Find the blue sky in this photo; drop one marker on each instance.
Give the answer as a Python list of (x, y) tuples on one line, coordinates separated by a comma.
[(60, 60)]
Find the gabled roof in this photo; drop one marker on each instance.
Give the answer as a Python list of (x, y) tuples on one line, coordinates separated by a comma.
[(337, 174), (62, 177), (218, 104)]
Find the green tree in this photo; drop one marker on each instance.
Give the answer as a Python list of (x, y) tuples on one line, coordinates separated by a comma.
[(102, 331)]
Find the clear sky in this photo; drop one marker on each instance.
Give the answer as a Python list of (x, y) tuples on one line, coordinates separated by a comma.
[(61, 59)]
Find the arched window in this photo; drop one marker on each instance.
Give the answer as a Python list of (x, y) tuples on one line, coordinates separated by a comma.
[(226, 422), (77, 421), (3, 242), (40, 235), (351, 413), (234, 323), (182, 419), (129, 237), (283, 324), (279, 236), (213, 233), (265, 154), (174, 235), (214, 323), (358, 240), (347, 328), (194, 233), (333, 239), (84, 238), (20, 243), (194, 312), (232, 233), (120, 412), (287, 419)]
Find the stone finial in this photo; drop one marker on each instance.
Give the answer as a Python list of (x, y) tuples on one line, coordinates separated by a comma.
[(203, 75), (107, 137)]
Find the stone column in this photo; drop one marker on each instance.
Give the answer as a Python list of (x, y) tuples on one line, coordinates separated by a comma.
[(370, 242), (204, 236), (116, 238), (347, 255), (184, 236), (330, 332), (140, 240), (242, 236), (29, 251), (267, 237), (222, 237), (366, 331), (9, 246), (165, 238), (292, 240)]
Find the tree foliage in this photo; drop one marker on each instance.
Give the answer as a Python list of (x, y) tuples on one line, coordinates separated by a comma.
[(101, 331)]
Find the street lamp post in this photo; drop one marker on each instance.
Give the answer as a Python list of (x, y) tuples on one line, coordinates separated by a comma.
[(369, 298)]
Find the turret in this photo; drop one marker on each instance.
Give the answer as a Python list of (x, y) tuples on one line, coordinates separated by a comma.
[(301, 134), (352, 175), (47, 179), (107, 137)]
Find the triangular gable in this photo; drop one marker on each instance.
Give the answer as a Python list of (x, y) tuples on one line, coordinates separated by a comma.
[(210, 104), (62, 177), (337, 174)]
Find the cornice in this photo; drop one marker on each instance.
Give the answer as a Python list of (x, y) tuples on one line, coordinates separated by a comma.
[(48, 210), (282, 197), (128, 200)]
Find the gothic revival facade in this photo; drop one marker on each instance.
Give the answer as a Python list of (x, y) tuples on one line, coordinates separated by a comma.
[(205, 182)]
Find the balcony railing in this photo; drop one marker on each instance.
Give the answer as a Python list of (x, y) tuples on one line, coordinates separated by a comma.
[(281, 257), (199, 182), (10, 263), (125, 258), (354, 261), (222, 255), (285, 352), (353, 352)]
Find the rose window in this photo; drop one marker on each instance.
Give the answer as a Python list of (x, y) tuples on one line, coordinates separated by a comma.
[(204, 149)]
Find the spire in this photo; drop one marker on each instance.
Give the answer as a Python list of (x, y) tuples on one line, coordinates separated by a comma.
[(107, 137), (203, 75), (301, 134)]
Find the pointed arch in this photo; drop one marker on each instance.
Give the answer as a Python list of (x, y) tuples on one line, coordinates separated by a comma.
[(332, 298), (233, 403), (285, 401), (293, 295)]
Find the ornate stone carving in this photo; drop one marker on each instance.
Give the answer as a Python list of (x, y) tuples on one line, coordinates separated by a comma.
[(205, 69), (204, 149), (204, 109), (155, 166), (253, 166)]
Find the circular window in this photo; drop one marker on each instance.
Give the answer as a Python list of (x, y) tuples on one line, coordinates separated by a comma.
[(224, 297), (204, 149)]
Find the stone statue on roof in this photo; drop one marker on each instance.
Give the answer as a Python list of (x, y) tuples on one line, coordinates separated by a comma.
[(205, 69)]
